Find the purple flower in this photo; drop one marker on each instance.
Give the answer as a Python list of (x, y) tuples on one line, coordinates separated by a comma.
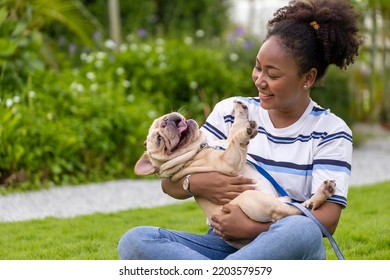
[(72, 48), (240, 31), (142, 33), (96, 36), (231, 37), (248, 45)]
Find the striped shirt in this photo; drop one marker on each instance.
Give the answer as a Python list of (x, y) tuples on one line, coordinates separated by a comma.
[(300, 157)]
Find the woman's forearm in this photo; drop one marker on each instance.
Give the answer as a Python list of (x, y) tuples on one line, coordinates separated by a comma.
[(214, 186), (328, 214), (174, 189)]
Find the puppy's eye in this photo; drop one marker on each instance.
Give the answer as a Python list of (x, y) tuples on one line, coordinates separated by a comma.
[(159, 139)]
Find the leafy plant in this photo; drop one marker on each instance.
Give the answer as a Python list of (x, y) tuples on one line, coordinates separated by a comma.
[(175, 18), (88, 123), (334, 92), (25, 47)]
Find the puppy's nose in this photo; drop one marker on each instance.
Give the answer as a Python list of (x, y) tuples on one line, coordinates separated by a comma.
[(175, 119)]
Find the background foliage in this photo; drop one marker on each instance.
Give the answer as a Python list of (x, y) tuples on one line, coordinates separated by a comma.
[(88, 122), (174, 18), (75, 107)]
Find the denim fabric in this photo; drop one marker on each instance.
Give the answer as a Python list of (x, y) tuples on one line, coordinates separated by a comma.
[(294, 237)]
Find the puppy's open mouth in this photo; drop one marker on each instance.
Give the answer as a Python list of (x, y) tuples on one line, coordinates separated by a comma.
[(178, 132), (182, 127), (184, 131)]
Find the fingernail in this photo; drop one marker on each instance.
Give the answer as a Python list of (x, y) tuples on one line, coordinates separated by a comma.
[(254, 181)]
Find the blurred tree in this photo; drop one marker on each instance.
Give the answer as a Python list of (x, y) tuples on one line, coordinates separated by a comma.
[(373, 83), (167, 18), (114, 16)]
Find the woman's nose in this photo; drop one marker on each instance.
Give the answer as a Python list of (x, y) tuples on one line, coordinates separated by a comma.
[(260, 83)]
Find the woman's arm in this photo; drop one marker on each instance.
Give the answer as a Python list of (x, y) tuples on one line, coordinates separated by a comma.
[(234, 224), (329, 215), (214, 186), (174, 189)]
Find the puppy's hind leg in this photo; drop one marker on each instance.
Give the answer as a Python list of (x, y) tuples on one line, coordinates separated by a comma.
[(325, 191)]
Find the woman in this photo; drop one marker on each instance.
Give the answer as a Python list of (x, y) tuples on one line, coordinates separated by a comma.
[(299, 143)]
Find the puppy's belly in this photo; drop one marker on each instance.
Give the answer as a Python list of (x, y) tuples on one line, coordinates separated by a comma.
[(262, 204), (209, 208), (262, 183), (262, 207)]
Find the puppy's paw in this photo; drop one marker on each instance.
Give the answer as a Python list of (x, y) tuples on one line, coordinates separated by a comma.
[(326, 190), (309, 205), (251, 129), (328, 187), (240, 110)]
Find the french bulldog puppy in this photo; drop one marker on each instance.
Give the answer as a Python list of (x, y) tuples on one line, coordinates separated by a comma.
[(175, 147)]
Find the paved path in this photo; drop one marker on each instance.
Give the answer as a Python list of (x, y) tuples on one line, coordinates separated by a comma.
[(71, 201), (371, 164)]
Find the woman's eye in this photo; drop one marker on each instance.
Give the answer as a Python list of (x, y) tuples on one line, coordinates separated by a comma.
[(273, 76), (258, 68)]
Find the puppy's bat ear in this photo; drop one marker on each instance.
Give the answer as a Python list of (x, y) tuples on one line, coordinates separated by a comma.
[(144, 166)]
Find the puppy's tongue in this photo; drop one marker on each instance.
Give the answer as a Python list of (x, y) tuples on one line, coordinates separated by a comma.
[(182, 126)]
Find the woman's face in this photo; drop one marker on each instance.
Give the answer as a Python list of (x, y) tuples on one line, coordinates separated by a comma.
[(275, 75)]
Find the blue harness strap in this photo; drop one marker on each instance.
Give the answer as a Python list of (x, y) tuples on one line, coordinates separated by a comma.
[(262, 171), (266, 175)]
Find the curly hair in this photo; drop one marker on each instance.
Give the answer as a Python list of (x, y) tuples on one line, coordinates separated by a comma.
[(318, 33)]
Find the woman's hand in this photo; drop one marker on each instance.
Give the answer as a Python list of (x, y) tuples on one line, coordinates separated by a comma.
[(214, 186), (233, 224), (219, 188)]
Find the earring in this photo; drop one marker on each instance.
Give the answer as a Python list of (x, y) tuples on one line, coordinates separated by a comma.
[(305, 86)]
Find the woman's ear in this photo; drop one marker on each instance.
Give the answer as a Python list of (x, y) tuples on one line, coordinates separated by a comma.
[(310, 78)]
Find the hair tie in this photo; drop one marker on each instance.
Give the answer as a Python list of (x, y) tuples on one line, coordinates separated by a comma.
[(315, 25)]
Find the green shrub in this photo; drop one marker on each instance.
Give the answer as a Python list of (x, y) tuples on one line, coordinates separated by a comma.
[(27, 46), (334, 92), (89, 123), (167, 18)]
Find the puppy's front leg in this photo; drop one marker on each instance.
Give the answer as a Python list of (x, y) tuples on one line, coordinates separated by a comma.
[(242, 131), (240, 118)]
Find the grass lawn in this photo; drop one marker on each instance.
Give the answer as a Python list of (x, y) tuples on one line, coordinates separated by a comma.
[(363, 232)]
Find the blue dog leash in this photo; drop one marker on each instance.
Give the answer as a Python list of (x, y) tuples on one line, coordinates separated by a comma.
[(304, 210), (332, 241)]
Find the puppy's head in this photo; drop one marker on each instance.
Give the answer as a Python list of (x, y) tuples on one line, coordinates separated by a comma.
[(169, 137)]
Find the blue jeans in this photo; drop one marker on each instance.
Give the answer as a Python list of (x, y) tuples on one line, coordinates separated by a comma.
[(291, 238)]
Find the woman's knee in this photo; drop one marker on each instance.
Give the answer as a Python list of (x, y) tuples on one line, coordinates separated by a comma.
[(305, 234), (301, 226), (131, 242)]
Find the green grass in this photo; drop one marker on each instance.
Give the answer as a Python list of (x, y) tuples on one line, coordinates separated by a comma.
[(363, 231)]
